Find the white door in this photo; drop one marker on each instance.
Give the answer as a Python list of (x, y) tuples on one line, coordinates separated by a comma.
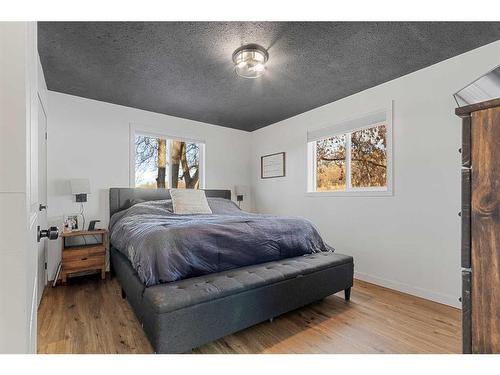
[(32, 187), (42, 198), (18, 187)]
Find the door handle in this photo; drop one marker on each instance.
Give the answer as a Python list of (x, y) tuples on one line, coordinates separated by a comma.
[(52, 233), (42, 207)]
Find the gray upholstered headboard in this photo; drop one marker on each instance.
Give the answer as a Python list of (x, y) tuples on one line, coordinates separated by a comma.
[(119, 198)]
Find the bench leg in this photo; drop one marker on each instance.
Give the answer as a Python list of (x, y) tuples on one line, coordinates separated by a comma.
[(124, 295), (347, 294)]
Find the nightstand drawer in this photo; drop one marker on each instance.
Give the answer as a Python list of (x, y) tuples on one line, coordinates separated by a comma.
[(82, 252), (84, 263)]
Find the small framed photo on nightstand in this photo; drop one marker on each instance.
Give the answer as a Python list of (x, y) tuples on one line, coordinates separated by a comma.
[(70, 223)]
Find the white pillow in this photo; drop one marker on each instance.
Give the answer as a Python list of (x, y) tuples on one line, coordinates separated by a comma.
[(189, 201)]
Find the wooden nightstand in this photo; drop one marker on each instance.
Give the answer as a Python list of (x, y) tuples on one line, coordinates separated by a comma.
[(84, 257)]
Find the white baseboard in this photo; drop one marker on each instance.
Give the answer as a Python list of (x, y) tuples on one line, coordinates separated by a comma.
[(445, 299)]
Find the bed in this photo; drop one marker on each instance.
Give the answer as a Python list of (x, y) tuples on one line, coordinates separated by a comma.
[(180, 312)]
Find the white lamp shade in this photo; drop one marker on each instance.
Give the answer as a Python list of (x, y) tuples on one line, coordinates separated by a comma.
[(241, 190), (80, 186)]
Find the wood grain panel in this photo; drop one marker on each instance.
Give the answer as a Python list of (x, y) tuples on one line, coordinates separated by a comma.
[(466, 126), (466, 217), (467, 110), (84, 264), (88, 316), (78, 233), (83, 252), (485, 221), (466, 313)]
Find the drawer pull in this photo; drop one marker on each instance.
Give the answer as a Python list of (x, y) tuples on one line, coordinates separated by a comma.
[(84, 258)]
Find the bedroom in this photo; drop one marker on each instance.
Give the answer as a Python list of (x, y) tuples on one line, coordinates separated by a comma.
[(249, 187)]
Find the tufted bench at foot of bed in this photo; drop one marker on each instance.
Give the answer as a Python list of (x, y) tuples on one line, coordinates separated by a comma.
[(185, 314)]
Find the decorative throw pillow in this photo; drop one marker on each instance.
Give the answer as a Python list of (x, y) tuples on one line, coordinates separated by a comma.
[(189, 201)]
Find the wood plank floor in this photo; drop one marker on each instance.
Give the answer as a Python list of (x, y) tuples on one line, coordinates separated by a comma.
[(89, 316)]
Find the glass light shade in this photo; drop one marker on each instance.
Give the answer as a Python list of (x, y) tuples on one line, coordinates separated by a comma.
[(80, 186), (250, 60), (241, 190)]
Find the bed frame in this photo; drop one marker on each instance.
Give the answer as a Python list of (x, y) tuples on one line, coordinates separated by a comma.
[(120, 198), (182, 315)]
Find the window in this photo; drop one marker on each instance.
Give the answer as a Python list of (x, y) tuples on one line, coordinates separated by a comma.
[(162, 162), (369, 157), (351, 157), (330, 163)]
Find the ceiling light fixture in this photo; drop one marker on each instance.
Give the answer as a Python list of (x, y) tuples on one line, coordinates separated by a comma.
[(250, 60)]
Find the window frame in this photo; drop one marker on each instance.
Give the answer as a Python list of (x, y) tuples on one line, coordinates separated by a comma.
[(350, 190), (144, 131)]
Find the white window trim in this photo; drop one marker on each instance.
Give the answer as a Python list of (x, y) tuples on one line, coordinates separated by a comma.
[(350, 191), (148, 132)]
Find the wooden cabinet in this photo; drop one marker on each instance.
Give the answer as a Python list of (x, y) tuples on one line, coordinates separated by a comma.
[(83, 258), (481, 227)]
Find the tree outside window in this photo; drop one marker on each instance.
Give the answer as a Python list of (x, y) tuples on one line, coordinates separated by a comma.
[(352, 161), (166, 163)]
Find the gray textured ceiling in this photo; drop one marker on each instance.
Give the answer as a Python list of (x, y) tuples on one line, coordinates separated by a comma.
[(184, 69)]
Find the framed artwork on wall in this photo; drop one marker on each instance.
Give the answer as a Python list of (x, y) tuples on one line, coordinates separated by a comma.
[(272, 165)]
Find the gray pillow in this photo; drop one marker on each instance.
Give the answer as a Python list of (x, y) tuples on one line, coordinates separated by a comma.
[(223, 206), (132, 202), (167, 203)]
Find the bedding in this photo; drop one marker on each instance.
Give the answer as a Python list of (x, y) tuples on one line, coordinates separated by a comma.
[(164, 247)]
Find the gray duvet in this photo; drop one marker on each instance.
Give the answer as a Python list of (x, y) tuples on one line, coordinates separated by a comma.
[(164, 247)]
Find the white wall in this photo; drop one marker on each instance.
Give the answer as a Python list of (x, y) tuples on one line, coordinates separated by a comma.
[(409, 241), (90, 139)]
